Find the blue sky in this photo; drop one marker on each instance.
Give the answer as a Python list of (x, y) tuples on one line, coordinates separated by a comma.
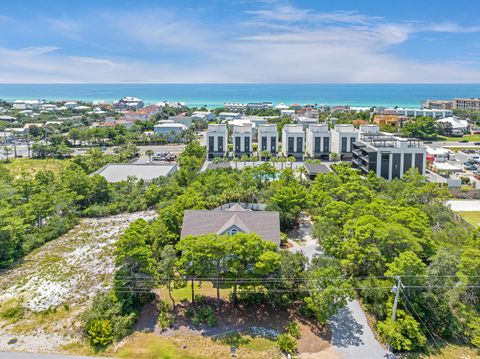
[(269, 41)]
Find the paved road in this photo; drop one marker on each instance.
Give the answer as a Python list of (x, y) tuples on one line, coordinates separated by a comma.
[(12, 355), (352, 338)]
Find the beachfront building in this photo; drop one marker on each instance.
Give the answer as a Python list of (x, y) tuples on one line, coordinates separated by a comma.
[(388, 156), (438, 104), (317, 141), (242, 139), (343, 136), (293, 141), (235, 106), (467, 104), (267, 138), (128, 103), (259, 105), (414, 112), (217, 136)]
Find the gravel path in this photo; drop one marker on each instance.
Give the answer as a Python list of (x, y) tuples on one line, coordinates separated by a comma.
[(352, 338)]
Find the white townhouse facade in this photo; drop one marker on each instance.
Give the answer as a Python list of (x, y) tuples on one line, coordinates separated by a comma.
[(414, 112), (217, 140), (293, 141), (343, 136), (386, 155), (318, 141), (268, 138), (242, 139)]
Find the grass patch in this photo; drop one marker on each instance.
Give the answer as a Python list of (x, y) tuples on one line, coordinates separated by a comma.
[(12, 310), (151, 346), (470, 138), (31, 166), (185, 293), (257, 344), (452, 351), (46, 320), (472, 217)]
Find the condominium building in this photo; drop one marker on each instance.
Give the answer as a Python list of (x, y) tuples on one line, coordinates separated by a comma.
[(437, 104), (413, 112), (217, 136), (259, 105), (469, 104), (242, 139), (317, 141), (293, 141), (343, 136), (386, 155), (268, 138)]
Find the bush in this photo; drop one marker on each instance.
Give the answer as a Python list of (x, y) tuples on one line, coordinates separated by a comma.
[(106, 306), (293, 329), (100, 332), (165, 317), (250, 298), (287, 343), (403, 334), (204, 315), (474, 332)]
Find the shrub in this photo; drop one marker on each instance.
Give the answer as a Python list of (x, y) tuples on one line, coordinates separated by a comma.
[(165, 317), (403, 334), (12, 310), (106, 306), (287, 343), (293, 329), (474, 332), (204, 315), (100, 332)]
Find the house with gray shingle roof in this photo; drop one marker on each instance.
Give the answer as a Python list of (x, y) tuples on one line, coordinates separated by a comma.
[(233, 220)]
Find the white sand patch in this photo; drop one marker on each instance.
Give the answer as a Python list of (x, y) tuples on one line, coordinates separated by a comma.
[(464, 205), (66, 272)]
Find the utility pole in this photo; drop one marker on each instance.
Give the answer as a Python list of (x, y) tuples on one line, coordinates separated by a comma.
[(396, 289)]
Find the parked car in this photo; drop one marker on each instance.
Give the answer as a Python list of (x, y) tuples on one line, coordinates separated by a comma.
[(470, 167), (463, 141)]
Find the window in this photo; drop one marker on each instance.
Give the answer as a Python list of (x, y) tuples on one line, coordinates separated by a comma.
[(220, 143), (233, 231), (210, 143)]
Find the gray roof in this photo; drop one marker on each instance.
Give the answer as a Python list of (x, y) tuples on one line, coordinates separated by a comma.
[(117, 172), (214, 166), (264, 223), (313, 168)]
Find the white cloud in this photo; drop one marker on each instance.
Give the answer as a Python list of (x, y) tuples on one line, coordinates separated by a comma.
[(278, 44)]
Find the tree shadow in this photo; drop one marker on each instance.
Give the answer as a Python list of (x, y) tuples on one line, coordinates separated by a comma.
[(345, 330)]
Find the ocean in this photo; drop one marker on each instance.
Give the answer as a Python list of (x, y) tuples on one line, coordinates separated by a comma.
[(214, 95)]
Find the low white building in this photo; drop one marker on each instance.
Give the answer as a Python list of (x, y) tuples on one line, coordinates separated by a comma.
[(170, 130), (306, 121), (229, 116), (287, 113), (182, 119), (293, 141), (318, 141), (414, 112), (235, 106), (242, 139), (203, 116), (268, 138), (282, 106), (343, 136), (458, 126), (217, 139)]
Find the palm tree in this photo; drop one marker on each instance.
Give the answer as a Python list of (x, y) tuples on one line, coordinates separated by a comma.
[(334, 157), (149, 153)]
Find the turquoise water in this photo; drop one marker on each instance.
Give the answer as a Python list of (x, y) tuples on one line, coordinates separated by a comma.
[(213, 95)]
